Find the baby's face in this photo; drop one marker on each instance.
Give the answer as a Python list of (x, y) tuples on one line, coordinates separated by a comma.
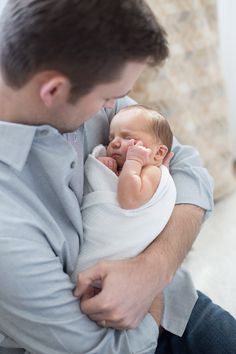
[(127, 125)]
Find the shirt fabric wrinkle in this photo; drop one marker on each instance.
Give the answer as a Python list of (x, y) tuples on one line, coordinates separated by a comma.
[(41, 202)]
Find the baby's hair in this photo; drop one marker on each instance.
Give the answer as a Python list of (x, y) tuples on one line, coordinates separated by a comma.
[(159, 125)]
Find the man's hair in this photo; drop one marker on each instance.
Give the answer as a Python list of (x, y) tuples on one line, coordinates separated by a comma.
[(88, 41), (159, 126)]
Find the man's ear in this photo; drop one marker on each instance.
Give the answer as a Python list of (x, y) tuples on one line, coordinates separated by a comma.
[(55, 91), (161, 152)]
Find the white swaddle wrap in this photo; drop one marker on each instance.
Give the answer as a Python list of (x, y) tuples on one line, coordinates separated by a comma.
[(111, 232)]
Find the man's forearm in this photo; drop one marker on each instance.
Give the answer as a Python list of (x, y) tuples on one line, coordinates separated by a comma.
[(141, 279), (157, 308), (169, 249)]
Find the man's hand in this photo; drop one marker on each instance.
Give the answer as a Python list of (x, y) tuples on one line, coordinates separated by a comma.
[(130, 286), (157, 308), (126, 296)]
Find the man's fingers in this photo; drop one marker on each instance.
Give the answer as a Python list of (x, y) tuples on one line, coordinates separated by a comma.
[(93, 307), (96, 317), (100, 309), (86, 279), (88, 294), (104, 319), (108, 324)]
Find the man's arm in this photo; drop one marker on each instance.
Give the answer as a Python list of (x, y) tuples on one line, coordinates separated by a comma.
[(131, 285), (39, 312), (194, 203), (169, 249)]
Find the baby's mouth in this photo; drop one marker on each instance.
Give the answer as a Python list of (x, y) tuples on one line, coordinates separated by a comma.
[(115, 155)]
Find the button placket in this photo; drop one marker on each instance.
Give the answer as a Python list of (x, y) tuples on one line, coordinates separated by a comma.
[(72, 165), (44, 132)]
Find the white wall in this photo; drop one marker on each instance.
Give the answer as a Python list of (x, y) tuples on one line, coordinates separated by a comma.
[(227, 32)]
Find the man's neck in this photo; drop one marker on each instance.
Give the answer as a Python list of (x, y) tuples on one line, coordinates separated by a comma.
[(14, 106)]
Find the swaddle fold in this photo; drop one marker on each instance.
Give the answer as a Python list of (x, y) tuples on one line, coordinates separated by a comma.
[(111, 232)]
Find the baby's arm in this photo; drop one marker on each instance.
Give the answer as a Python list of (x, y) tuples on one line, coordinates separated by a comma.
[(138, 179), (109, 162)]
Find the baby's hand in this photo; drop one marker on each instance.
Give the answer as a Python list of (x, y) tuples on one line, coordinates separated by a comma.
[(139, 153), (109, 162)]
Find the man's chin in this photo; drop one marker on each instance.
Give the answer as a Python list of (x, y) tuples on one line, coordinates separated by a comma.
[(70, 129)]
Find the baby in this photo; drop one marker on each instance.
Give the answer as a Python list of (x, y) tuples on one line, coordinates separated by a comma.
[(129, 193), (140, 139)]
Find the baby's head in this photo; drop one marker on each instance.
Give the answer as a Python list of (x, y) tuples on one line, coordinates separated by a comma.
[(139, 122), (154, 123)]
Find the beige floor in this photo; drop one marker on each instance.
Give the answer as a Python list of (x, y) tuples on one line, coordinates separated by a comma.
[(212, 260)]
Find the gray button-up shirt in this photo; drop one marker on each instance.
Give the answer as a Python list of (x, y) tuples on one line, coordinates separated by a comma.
[(41, 186)]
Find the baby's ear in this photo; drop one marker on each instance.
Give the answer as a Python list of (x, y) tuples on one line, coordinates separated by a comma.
[(161, 152)]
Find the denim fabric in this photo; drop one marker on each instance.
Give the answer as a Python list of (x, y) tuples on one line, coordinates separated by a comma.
[(210, 330)]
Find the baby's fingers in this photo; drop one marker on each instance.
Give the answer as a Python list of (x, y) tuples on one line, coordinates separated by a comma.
[(131, 142), (139, 143)]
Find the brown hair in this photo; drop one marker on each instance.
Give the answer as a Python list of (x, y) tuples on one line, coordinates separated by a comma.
[(89, 41), (159, 126)]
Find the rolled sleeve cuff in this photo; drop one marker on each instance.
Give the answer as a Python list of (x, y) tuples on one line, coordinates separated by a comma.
[(193, 183), (194, 186), (180, 297)]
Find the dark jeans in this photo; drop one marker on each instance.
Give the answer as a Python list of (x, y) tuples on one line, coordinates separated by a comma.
[(210, 330)]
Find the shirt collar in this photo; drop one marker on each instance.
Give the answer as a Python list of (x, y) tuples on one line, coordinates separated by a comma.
[(16, 141)]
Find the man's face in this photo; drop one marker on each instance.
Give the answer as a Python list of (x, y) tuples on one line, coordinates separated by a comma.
[(71, 116)]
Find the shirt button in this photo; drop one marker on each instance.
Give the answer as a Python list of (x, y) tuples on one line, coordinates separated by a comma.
[(72, 165), (44, 132)]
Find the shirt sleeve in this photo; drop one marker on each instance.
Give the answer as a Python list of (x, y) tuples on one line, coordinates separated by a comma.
[(39, 313), (193, 183)]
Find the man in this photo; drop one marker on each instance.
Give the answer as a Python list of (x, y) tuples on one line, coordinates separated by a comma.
[(61, 63)]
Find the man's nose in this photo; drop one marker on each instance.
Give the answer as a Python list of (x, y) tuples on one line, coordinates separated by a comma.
[(110, 103)]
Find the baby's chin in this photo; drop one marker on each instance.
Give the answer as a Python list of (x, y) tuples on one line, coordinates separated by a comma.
[(120, 160)]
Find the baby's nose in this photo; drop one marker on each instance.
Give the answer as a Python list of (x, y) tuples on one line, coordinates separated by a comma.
[(116, 142)]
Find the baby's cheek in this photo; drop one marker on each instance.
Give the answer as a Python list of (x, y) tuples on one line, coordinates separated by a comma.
[(125, 151), (108, 151)]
